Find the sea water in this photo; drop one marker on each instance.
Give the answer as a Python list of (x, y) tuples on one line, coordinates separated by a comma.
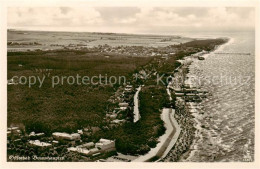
[(225, 124)]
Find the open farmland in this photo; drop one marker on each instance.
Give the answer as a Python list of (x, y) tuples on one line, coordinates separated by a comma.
[(19, 40)]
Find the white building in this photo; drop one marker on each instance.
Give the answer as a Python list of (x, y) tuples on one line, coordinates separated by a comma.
[(38, 143), (117, 121), (84, 151), (9, 133), (33, 134), (13, 130), (123, 104), (66, 136), (123, 108), (80, 131), (87, 145), (105, 145)]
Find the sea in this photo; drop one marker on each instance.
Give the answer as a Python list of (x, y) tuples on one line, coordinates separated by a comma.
[(225, 124)]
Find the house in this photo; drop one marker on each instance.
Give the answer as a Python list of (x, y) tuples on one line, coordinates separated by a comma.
[(11, 82), (84, 151), (65, 137), (93, 151), (55, 142), (128, 88), (33, 134), (80, 131), (123, 108), (116, 121), (14, 130), (38, 143), (105, 145), (87, 145), (111, 116), (73, 149), (123, 104), (86, 131)]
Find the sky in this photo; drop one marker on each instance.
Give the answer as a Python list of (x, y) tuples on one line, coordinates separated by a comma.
[(155, 20)]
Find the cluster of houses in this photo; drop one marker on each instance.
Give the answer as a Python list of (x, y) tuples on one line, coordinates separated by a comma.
[(89, 149), (135, 50), (23, 43), (132, 51), (94, 149), (123, 97)]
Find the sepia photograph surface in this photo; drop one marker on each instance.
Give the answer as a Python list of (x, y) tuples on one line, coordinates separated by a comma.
[(130, 83)]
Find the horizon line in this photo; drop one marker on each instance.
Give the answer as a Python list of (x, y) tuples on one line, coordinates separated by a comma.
[(167, 34)]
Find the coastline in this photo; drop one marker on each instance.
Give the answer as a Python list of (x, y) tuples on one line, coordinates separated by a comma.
[(187, 121)]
